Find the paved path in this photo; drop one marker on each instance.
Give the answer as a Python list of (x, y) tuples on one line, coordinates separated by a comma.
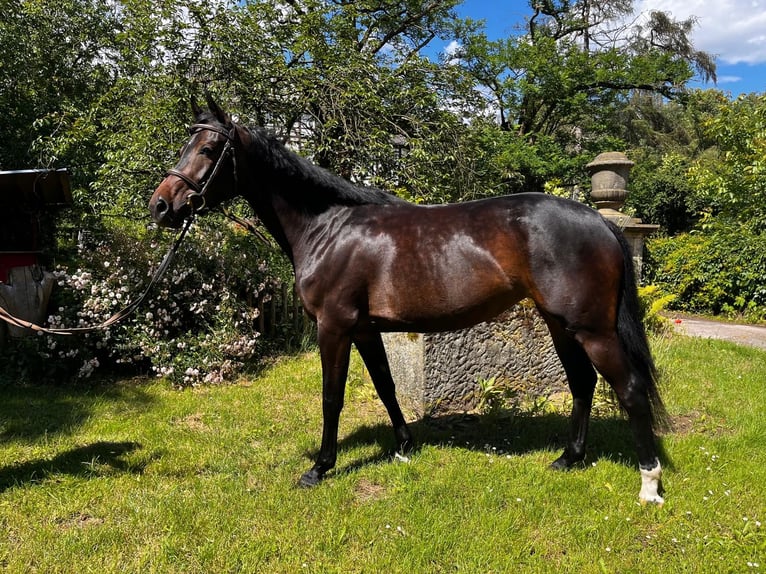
[(750, 335)]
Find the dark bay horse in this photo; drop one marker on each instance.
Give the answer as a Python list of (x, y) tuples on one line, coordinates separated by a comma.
[(366, 262)]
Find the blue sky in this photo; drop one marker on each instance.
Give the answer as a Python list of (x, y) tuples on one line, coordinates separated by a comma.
[(734, 31)]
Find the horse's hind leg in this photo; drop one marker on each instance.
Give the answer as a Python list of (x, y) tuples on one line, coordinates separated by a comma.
[(370, 347), (582, 382), (610, 359)]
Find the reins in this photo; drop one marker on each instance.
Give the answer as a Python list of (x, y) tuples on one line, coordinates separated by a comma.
[(120, 315), (195, 199)]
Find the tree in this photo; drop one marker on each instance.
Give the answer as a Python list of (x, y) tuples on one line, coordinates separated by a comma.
[(665, 138), (53, 59), (574, 66), (732, 178)]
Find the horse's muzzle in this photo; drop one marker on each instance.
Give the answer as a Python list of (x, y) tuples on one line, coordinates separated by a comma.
[(163, 213), (163, 208)]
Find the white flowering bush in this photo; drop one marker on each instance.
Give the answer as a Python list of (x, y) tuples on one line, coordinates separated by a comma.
[(198, 324)]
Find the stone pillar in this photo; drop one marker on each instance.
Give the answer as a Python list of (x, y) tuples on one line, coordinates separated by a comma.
[(438, 373), (609, 173)]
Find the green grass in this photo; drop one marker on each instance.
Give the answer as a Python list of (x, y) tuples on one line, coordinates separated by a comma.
[(139, 477)]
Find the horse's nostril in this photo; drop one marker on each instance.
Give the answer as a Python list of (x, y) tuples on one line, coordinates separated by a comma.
[(160, 207)]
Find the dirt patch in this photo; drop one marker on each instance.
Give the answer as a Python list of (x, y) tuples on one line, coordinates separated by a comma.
[(194, 422), (697, 423), (81, 520), (367, 491)]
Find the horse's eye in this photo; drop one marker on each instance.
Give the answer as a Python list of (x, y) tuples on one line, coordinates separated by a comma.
[(206, 151)]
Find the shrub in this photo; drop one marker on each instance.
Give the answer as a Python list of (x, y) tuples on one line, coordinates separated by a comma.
[(653, 302), (721, 270), (197, 325)]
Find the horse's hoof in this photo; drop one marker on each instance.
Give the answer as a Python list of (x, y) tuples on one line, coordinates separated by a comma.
[(405, 444), (564, 463), (310, 479), (406, 447)]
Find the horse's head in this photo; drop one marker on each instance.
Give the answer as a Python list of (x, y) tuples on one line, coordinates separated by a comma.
[(205, 174)]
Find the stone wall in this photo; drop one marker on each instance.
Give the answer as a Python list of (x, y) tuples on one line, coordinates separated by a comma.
[(437, 373)]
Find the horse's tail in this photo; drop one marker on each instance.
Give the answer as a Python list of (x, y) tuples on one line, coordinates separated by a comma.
[(630, 331)]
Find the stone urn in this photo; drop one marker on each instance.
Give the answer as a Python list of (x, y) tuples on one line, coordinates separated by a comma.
[(609, 173), (609, 187)]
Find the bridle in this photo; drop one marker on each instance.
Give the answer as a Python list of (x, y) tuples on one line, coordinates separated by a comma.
[(199, 188)]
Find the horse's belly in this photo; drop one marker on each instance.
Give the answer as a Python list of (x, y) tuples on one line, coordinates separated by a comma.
[(429, 310)]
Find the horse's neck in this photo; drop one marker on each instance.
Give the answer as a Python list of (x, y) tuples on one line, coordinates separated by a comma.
[(280, 184), (280, 225)]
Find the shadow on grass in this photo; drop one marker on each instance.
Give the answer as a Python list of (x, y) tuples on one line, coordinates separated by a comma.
[(28, 413), (89, 460), (509, 434), (31, 413)]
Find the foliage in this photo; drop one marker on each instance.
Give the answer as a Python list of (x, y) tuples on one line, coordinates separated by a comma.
[(198, 324), (720, 270), (733, 182), (666, 139), (661, 193), (572, 59), (572, 70), (53, 62), (653, 303), (718, 266)]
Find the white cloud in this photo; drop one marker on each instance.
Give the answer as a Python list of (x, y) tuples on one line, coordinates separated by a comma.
[(729, 79), (731, 30), (450, 50)]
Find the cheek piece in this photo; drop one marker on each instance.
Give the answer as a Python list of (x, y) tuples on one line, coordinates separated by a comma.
[(196, 198)]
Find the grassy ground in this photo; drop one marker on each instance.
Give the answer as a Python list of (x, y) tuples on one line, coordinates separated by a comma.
[(138, 477)]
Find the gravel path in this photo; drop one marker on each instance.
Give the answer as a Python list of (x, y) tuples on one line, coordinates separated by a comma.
[(750, 335)]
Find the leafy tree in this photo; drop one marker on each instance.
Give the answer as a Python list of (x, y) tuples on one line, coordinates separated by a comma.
[(53, 59), (574, 58), (570, 71), (665, 139), (732, 177)]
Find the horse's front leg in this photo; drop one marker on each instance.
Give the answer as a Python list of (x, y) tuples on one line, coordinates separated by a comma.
[(334, 350)]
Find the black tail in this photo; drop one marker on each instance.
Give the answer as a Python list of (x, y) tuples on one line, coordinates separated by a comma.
[(630, 330)]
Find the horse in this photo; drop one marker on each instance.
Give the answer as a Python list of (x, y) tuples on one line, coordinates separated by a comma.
[(368, 262)]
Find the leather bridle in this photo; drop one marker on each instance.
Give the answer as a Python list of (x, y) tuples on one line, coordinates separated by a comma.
[(199, 188)]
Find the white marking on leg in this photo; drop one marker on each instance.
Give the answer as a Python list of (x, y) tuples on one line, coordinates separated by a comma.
[(650, 484)]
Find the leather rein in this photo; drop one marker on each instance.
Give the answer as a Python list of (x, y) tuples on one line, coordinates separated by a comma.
[(197, 195)]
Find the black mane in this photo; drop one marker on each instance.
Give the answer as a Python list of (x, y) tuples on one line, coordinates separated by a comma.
[(313, 187)]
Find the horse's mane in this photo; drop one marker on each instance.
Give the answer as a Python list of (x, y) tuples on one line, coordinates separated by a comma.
[(310, 186)]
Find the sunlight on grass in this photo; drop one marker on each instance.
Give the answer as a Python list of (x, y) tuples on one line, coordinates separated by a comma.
[(140, 477)]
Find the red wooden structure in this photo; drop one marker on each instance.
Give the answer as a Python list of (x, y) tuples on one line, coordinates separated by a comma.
[(24, 197)]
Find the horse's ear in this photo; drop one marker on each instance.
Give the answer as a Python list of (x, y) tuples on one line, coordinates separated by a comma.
[(196, 109), (216, 110)]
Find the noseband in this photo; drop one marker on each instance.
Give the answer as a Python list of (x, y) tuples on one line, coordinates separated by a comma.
[(199, 188)]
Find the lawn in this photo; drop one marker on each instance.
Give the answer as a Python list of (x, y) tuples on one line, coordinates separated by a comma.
[(136, 476)]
